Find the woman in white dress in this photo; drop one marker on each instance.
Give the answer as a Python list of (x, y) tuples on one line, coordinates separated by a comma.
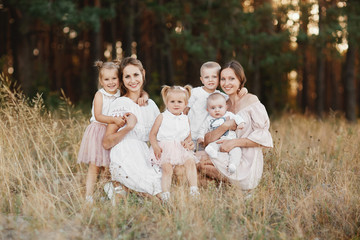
[(129, 155), (252, 138)]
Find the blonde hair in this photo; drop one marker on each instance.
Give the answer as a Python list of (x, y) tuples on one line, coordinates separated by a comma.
[(106, 65), (214, 96), (210, 64), (166, 90)]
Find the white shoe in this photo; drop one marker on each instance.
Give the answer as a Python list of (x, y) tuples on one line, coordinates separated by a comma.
[(109, 190), (165, 196), (231, 168), (120, 190), (211, 152), (89, 199), (194, 192)]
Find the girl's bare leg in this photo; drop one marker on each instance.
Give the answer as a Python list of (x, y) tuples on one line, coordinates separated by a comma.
[(91, 177), (191, 173), (167, 172)]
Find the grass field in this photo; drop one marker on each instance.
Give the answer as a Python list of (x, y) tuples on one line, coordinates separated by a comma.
[(309, 190)]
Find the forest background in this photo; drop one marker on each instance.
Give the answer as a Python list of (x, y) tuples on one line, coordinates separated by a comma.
[(298, 55)]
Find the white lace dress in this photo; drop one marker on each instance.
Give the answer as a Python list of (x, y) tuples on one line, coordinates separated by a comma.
[(130, 163)]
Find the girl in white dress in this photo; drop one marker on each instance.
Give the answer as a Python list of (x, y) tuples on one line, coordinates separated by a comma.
[(91, 149), (130, 165), (168, 136)]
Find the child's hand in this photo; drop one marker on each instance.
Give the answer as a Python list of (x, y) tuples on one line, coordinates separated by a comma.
[(157, 151), (144, 97), (119, 121), (186, 111), (188, 144), (243, 91), (142, 101), (241, 125)]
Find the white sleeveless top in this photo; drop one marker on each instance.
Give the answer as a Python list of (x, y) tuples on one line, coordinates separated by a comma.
[(173, 127), (107, 100)]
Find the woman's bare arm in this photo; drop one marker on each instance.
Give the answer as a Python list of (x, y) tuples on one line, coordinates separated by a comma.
[(113, 137), (217, 133), (227, 145)]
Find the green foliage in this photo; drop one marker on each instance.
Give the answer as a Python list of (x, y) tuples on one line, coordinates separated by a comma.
[(352, 11), (188, 33), (65, 12)]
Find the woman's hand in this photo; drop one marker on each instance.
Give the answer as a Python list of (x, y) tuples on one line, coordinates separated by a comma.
[(230, 124), (226, 145), (113, 136), (130, 120), (214, 135)]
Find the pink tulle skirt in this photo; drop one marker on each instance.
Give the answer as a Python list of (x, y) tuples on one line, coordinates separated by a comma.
[(91, 149), (172, 152)]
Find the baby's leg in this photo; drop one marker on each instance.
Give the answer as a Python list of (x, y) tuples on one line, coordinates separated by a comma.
[(212, 149), (91, 177), (235, 155)]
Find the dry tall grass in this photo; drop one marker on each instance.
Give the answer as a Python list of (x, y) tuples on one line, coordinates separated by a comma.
[(309, 190)]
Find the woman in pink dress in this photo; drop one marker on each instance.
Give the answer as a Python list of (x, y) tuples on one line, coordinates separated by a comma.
[(252, 138)]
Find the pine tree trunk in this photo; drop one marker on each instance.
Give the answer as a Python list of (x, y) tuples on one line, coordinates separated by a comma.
[(320, 64), (96, 53), (303, 48), (349, 82), (22, 52)]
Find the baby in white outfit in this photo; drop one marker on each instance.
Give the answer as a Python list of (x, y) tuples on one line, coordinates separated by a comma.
[(216, 106)]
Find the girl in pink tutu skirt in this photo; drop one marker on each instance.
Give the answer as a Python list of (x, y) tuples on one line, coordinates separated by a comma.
[(167, 137), (91, 149)]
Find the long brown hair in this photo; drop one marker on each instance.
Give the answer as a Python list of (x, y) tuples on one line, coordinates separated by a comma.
[(238, 70)]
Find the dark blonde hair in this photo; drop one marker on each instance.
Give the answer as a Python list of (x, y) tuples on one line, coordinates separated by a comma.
[(166, 90), (123, 64), (210, 64), (106, 65), (238, 70)]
